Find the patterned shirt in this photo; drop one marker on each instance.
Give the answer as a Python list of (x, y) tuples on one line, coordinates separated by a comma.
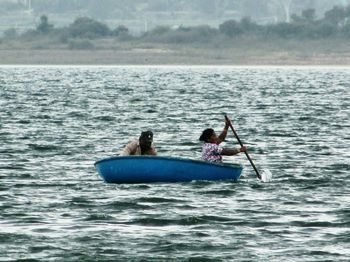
[(211, 152)]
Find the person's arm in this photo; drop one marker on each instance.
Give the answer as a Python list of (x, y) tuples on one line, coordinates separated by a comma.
[(153, 152), (129, 149), (223, 134), (233, 151)]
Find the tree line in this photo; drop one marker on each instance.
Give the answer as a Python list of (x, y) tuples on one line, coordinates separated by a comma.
[(334, 23)]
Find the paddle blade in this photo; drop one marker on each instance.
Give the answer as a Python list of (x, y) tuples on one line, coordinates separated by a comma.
[(266, 175)]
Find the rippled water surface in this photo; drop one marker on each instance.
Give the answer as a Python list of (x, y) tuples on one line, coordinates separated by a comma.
[(56, 122)]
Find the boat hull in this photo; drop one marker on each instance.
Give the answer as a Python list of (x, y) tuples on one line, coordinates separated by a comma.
[(148, 169)]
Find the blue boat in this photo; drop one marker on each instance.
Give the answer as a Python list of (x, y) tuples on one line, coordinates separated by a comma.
[(149, 169)]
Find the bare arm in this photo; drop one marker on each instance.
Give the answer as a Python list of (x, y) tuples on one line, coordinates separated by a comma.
[(152, 152), (129, 149), (233, 151), (223, 134)]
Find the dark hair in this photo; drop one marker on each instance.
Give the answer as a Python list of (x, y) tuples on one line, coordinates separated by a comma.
[(207, 133), (146, 135)]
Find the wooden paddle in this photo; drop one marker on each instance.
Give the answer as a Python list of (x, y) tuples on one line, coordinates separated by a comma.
[(239, 141)]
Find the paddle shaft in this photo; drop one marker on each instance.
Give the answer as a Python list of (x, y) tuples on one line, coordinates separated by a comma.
[(246, 153)]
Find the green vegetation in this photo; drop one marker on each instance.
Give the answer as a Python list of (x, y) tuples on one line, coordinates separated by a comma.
[(335, 23), (302, 37)]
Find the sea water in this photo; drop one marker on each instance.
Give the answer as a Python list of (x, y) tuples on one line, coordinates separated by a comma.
[(55, 122)]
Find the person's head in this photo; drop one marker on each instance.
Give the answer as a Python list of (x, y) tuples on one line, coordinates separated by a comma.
[(209, 136), (146, 139)]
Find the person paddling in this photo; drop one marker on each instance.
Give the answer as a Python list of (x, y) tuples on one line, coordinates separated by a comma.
[(211, 151), (141, 146)]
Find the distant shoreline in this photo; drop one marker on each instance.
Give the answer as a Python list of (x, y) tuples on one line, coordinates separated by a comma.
[(243, 52), (171, 57), (305, 40)]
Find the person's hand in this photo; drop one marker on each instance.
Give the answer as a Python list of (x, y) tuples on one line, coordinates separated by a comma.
[(227, 123), (243, 149)]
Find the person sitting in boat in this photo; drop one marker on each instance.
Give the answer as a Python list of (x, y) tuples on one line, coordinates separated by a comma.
[(141, 146), (211, 151)]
